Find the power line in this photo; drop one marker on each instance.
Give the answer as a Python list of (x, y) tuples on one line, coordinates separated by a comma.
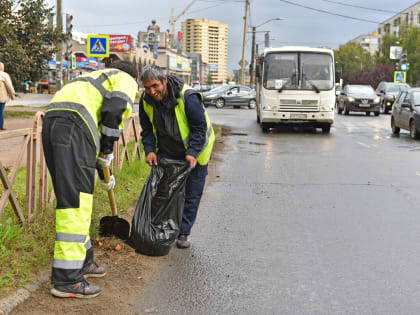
[(330, 13), (360, 7)]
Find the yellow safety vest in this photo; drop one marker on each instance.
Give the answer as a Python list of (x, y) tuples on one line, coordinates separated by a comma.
[(85, 94), (184, 128)]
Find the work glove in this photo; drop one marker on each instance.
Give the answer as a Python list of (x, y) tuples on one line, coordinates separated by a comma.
[(110, 185), (105, 161)]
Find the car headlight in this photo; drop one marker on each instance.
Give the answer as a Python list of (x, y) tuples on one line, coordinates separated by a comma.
[(376, 100), (210, 96), (270, 107), (326, 108), (350, 99)]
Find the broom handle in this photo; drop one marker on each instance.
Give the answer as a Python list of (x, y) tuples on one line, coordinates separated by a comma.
[(107, 179)]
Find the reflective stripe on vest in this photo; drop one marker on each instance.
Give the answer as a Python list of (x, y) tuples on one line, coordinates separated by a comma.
[(66, 237), (204, 155), (84, 114)]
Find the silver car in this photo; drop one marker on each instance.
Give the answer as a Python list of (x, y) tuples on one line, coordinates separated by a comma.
[(236, 95)]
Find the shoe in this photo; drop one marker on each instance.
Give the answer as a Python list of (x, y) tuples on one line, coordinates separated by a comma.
[(79, 290), (95, 271), (182, 241)]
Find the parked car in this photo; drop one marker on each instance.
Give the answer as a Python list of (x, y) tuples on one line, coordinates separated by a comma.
[(387, 92), (406, 112), (235, 95), (202, 87), (338, 90), (358, 98)]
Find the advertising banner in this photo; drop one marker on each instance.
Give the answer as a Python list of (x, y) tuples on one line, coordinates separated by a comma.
[(120, 43)]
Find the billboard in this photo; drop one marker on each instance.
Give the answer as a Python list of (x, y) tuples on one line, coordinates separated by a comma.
[(120, 43), (213, 67)]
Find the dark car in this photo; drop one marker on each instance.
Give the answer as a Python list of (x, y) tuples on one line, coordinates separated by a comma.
[(235, 95), (387, 92), (406, 113), (358, 98)]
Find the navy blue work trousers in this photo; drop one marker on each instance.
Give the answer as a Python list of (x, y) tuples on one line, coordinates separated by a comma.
[(193, 193)]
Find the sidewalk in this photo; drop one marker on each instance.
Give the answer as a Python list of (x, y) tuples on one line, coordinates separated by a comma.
[(30, 99)]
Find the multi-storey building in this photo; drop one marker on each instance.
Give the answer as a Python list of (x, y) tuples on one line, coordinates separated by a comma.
[(393, 26), (208, 38), (368, 42)]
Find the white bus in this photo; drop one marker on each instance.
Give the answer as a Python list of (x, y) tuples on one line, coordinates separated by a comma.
[(295, 85)]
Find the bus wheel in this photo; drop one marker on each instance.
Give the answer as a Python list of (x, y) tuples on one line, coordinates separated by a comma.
[(326, 129), (265, 127)]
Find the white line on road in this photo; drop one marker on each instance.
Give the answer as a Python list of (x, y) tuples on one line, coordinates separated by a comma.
[(364, 145)]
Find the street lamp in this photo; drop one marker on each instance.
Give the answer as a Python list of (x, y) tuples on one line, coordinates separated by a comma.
[(253, 45)]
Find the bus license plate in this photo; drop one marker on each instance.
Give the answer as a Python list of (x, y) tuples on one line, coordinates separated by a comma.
[(364, 105), (298, 116)]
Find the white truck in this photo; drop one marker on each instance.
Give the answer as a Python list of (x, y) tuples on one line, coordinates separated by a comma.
[(295, 85)]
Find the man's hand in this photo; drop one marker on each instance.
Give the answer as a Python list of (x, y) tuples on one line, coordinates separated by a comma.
[(190, 159), (151, 158), (105, 161), (110, 185)]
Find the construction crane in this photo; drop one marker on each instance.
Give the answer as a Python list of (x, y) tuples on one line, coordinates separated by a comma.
[(173, 20)]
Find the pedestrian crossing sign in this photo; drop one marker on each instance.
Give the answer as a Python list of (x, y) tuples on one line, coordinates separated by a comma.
[(400, 76), (98, 45)]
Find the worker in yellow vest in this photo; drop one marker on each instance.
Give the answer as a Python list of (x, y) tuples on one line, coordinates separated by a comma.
[(175, 125), (83, 119)]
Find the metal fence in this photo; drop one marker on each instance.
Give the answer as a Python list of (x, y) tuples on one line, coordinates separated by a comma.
[(36, 170)]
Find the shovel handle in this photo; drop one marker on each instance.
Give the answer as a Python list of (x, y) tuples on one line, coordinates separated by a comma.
[(107, 179)]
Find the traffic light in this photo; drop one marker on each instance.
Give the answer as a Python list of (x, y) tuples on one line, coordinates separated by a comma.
[(397, 66), (403, 62), (69, 28)]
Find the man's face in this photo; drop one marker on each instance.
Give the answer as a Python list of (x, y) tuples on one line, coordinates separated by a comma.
[(156, 89)]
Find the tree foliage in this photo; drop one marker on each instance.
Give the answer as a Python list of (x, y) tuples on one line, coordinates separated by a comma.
[(410, 41), (26, 39), (352, 58)]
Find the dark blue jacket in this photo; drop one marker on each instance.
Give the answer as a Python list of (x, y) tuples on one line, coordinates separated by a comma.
[(194, 111)]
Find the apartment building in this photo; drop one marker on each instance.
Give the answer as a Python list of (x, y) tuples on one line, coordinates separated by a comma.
[(393, 26), (208, 38), (368, 42)]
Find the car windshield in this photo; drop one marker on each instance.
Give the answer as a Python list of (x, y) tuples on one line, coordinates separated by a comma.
[(395, 88), (291, 71), (359, 89), (416, 98), (220, 89)]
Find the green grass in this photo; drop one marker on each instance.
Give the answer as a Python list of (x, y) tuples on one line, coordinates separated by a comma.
[(17, 113), (25, 251)]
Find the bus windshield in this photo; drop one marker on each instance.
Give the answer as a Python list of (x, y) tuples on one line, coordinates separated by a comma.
[(298, 71)]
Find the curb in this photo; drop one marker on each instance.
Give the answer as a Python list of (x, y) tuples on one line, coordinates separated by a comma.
[(9, 303)]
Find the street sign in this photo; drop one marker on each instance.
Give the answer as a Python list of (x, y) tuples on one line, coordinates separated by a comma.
[(400, 76), (73, 62), (395, 52), (98, 45)]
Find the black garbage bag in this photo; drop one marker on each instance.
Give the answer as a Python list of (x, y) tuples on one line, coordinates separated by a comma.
[(158, 216)]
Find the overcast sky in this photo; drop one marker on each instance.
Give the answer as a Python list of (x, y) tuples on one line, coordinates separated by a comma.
[(302, 26)]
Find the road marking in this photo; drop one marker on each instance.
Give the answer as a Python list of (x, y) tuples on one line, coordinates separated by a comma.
[(364, 145)]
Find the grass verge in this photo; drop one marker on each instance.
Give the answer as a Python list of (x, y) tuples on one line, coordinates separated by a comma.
[(25, 251)]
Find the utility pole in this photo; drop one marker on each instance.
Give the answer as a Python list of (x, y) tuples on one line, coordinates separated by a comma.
[(252, 72), (59, 56), (244, 42)]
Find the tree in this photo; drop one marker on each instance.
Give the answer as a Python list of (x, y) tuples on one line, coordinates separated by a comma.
[(28, 39), (352, 58), (410, 41), (382, 56), (209, 78)]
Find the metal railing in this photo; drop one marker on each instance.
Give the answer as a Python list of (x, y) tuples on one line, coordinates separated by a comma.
[(36, 170)]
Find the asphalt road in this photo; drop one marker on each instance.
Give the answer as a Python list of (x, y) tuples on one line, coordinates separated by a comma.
[(300, 222)]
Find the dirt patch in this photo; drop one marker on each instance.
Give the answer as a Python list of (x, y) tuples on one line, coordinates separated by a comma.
[(128, 274)]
